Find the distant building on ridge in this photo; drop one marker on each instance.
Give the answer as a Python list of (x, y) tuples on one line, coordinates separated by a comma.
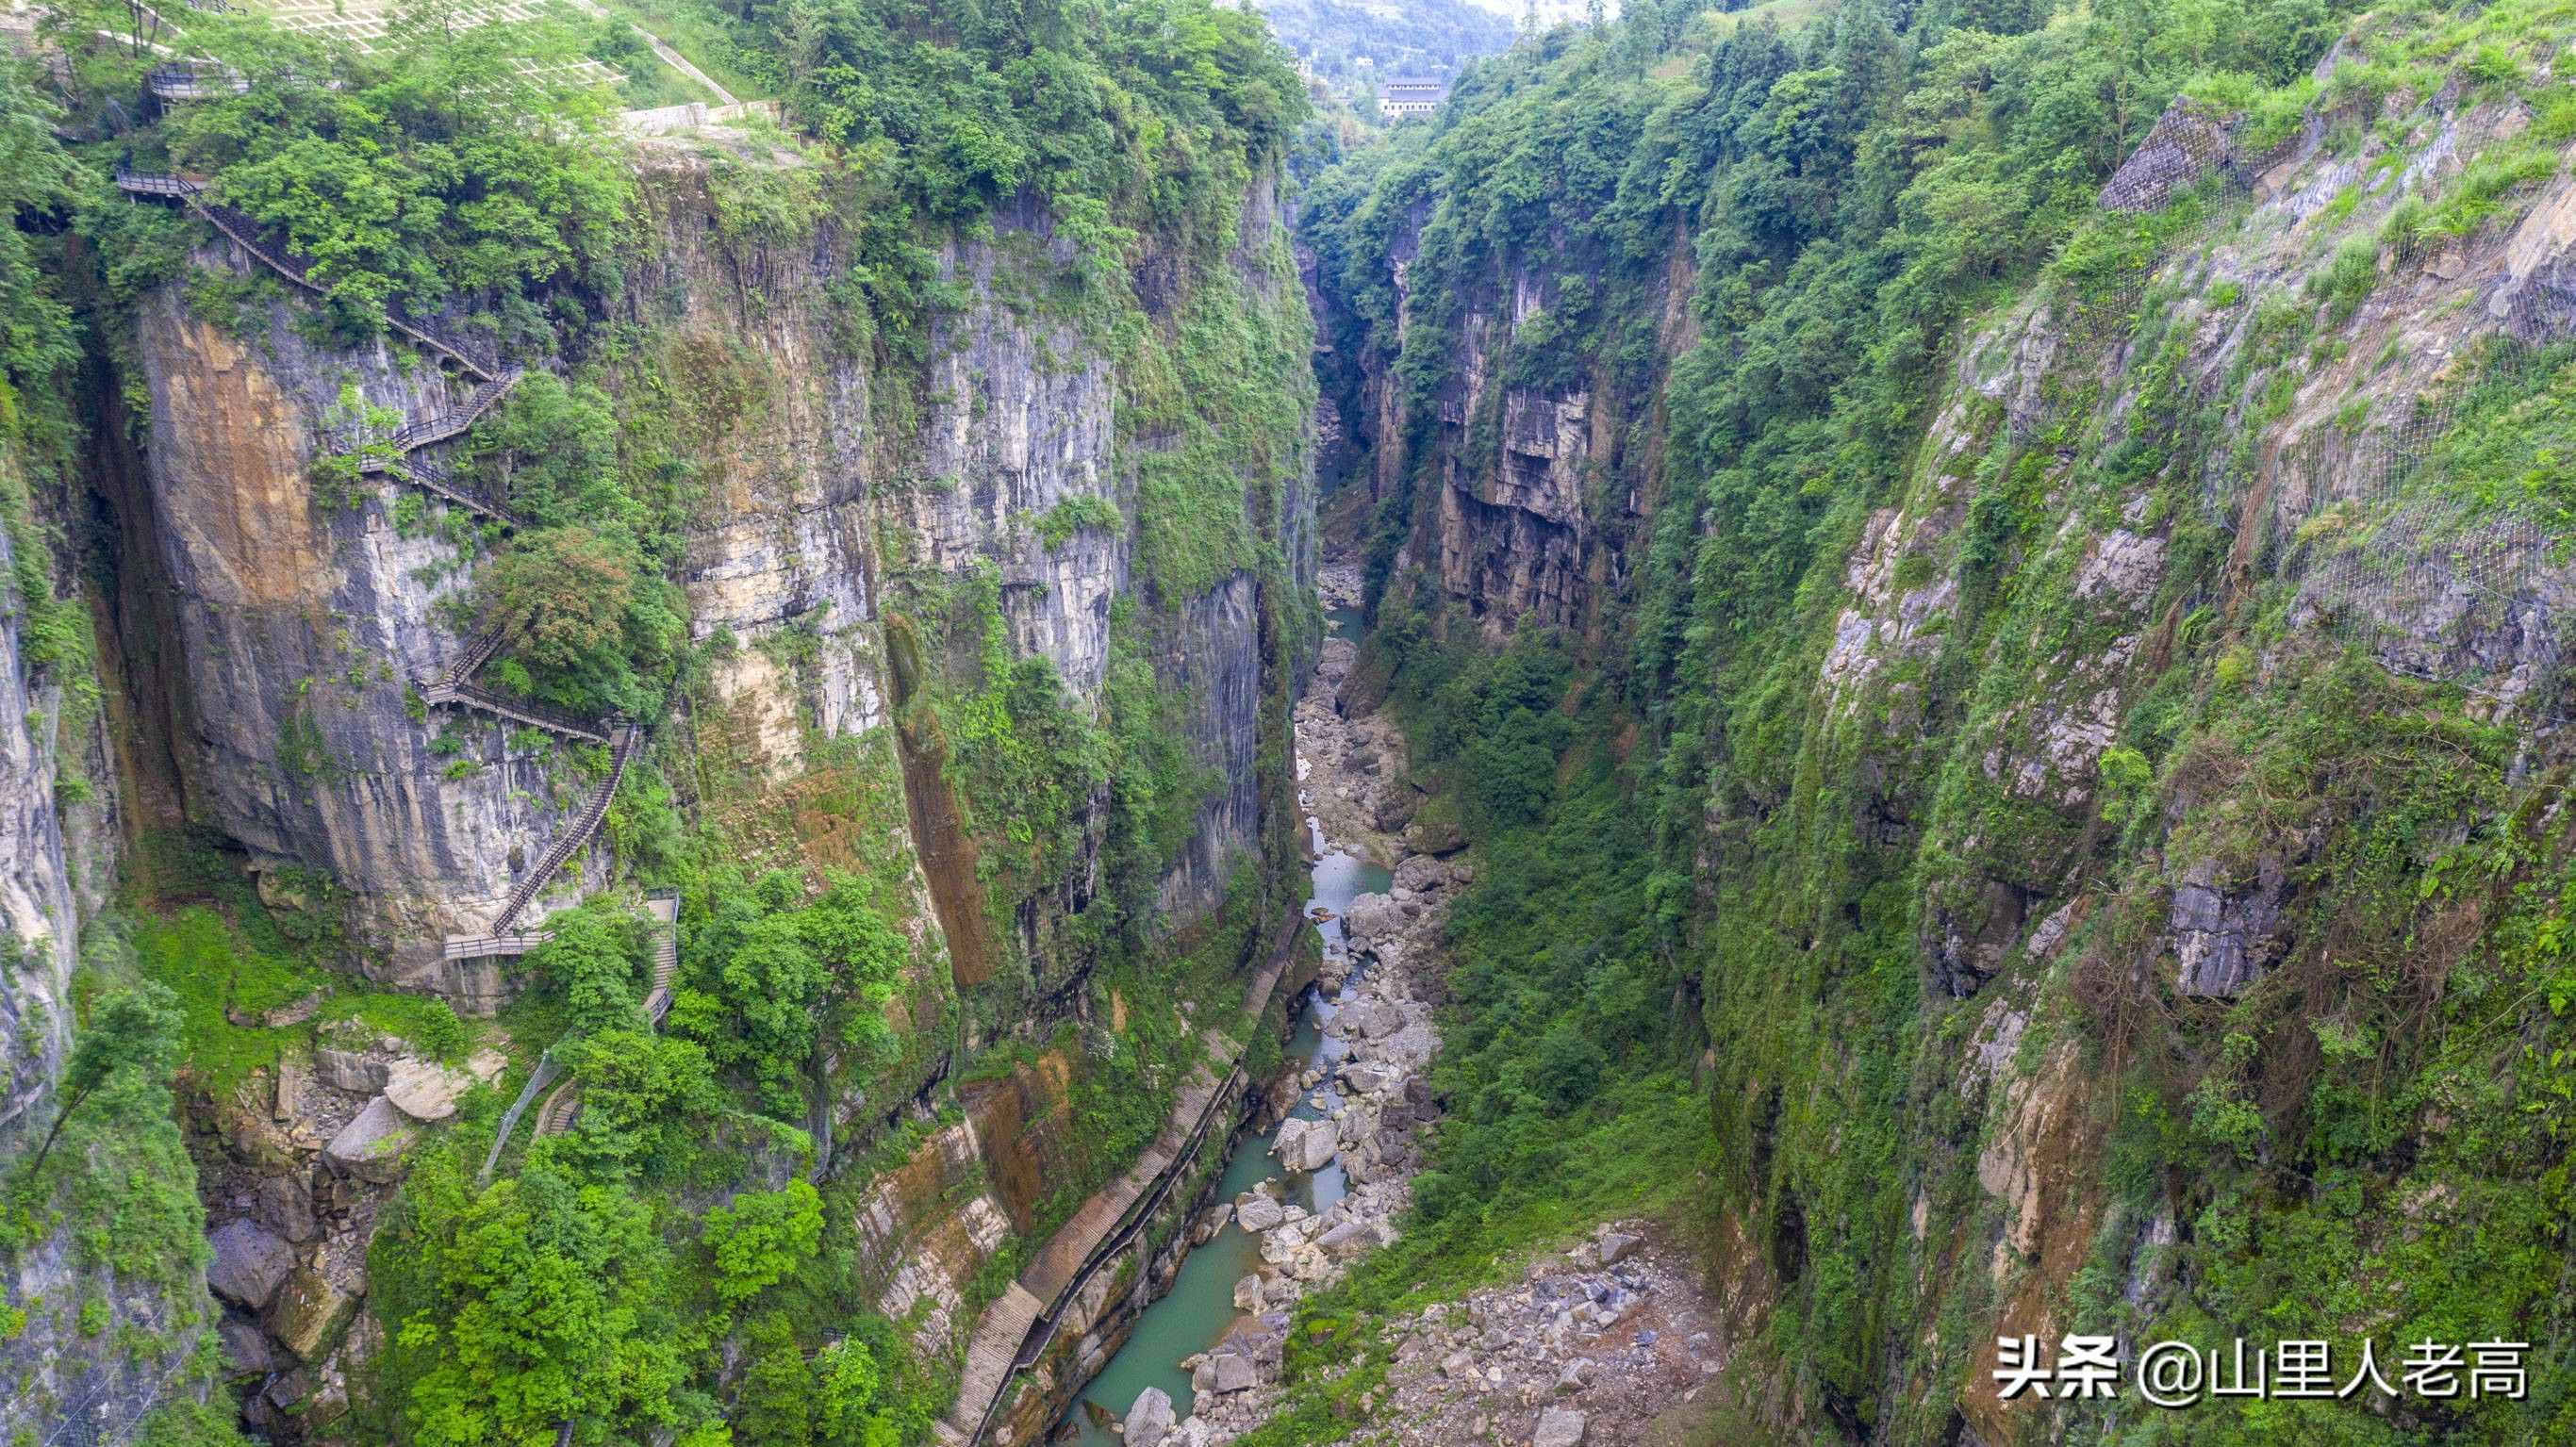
[(1398, 99)]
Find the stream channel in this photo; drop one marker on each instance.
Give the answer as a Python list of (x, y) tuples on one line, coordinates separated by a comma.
[(1199, 1310)]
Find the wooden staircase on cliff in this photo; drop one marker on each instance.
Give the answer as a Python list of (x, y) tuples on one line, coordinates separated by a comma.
[(244, 231), (443, 427)]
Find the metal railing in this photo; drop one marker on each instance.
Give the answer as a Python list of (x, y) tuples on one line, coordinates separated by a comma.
[(575, 837)]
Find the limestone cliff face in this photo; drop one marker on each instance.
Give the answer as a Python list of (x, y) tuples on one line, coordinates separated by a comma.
[(1525, 490), (839, 511), (303, 619), (306, 616), (38, 902), (68, 1359)]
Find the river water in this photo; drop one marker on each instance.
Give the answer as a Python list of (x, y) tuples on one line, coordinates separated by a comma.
[(1200, 1307)]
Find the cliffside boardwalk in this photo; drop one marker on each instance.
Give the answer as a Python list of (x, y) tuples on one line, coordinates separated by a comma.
[(239, 227), (443, 427), (1015, 1331)]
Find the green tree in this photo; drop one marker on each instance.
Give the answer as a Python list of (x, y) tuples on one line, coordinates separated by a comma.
[(595, 957), (546, 1287), (777, 1404), (762, 1238), (130, 1030), (643, 1098)]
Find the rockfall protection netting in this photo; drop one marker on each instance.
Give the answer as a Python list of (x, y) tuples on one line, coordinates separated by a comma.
[(2363, 511)]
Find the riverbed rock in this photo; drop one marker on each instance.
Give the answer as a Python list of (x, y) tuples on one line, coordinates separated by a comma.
[(1151, 1419), (246, 1349), (284, 1204), (1377, 1019), (372, 1146), (1222, 1373), (1372, 917), (1558, 1427), (308, 1315), (250, 1264), (1434, 836), (1305, 1145), (1258, 1214), (1247, 1292), (1211, 1221), (1347, 1239), (1366, 1079)]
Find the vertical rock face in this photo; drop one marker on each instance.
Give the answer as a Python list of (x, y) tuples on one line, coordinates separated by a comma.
[(37, 903), (306, 615), (66, 1361), (303, 619), (1527, 487)]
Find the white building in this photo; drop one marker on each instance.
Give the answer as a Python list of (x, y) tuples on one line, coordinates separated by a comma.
[(1398, 99)]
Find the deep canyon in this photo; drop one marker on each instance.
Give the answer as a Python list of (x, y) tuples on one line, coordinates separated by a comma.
[(1047, 739)]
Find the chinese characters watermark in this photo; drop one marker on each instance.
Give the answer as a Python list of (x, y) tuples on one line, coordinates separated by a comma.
[(2177, 1374)]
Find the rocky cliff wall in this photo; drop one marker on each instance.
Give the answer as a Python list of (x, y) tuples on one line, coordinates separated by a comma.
[(305, 616), (2074, 847), (100, 1293), (1525, 486), (844, 516)]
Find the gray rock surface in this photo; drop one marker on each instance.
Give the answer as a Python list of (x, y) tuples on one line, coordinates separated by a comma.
[(372, 1146), (1558, 1427), (249, 1264), (1150, 1418)]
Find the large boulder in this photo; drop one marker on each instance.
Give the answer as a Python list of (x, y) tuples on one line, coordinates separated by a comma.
[(1558, 1427), (424, 1091), (309, 1315), (250, 1264), (1248, 1294), (246, 1349), (1377, 1019), (1306, 1145), (1221, 1373), (1258, 1214), (1348, 1239), (1430, 835), (284, 1204), (371, 1147), (1150, 1419), (1372, 917)]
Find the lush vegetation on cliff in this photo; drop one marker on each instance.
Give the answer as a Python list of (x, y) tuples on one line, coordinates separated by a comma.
[(1831, 876), (684, 1255)]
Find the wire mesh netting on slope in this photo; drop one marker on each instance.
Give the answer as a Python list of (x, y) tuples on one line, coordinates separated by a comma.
[(2389, 514)]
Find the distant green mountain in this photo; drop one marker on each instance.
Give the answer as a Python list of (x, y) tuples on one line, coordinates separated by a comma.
[(1373, 39)]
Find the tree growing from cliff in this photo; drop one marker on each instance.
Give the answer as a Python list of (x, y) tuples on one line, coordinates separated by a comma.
[(136, 1029), (762, 1238)]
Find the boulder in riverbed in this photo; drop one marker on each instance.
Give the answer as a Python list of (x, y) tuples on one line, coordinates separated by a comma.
[(250, 1263), (1150, 1419), (1223, 1372), (372, 1146)]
